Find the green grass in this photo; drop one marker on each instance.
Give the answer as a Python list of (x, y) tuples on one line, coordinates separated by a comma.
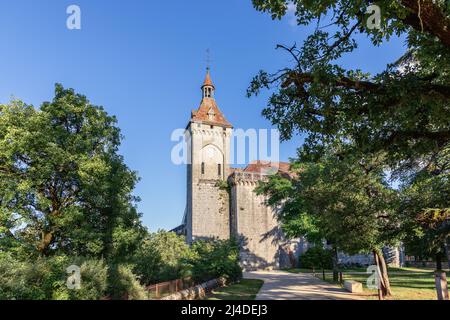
[(362, 269), (412, 286), (406, 283), (317, 271), (246, 289)]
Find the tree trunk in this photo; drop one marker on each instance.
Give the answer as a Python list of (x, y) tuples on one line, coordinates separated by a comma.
[(385, 275), (385, 286), (438, 262), (335, 265), (380, 280), (46, 240), (440, 279), (447, 248)]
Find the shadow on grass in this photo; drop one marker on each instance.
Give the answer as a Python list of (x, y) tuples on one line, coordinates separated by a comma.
[(246, 289)]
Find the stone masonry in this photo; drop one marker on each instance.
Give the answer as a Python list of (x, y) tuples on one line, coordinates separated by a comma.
[(221, 201), (254, 223)]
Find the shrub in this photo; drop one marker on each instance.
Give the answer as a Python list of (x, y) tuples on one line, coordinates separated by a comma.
[(317, 257), (214, 259), (46, 278), (94, 277), (43, 279), (13, 284), (124, 284), (162, 257)]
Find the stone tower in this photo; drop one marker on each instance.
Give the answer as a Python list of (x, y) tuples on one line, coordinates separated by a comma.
[(222, 202), (208, 141)]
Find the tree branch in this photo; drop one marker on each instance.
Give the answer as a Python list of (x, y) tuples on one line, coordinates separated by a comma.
[(300, 79), (427, 16)]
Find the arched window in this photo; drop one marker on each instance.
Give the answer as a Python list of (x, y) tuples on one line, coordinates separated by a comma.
[(203, 168)]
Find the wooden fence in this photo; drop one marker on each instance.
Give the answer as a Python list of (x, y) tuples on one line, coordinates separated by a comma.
[(163, 289)]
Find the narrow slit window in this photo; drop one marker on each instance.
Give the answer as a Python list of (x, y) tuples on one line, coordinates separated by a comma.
[(219, 170), (203, 168)]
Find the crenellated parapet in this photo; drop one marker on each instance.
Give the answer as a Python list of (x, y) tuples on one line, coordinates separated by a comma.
[(246, 178), (211, 132)]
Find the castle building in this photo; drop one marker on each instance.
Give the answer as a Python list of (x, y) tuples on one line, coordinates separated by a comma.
[(221, 202)]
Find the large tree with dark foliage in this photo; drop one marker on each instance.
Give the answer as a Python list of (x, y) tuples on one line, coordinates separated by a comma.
[(401, 114), (64, 189), (347, 199), (403, 110)]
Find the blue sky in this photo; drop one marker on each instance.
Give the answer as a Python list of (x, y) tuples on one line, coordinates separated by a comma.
[(144, 61)]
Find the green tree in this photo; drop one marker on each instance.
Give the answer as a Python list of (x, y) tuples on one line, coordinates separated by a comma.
[(399, 111), (44, 278), (162, 257), (347, 199), (425, 206), (124, 284), (214, 259), (317, 257), (63, 186)]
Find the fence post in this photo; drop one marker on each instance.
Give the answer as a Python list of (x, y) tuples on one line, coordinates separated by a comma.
[(156, 291)]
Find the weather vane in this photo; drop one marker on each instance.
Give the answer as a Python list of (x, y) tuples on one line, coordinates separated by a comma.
[(208, 59)]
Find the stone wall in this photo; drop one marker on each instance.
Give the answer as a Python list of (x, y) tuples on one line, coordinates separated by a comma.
[(425, 264), (197, 292), (208, 209), (254, 224), (210, 205), (355, 260)]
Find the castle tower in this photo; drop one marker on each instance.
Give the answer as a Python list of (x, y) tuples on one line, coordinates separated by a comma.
[(209, 137)]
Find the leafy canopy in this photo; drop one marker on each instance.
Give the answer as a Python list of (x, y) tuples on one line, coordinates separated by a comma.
[(402, 110), (63, 186), (345, 201)]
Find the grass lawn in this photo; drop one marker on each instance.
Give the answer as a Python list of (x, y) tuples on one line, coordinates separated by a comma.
[(246, 289), (406, 283), (362, 269)]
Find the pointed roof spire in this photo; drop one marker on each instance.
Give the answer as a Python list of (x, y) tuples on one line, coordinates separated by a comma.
[(208, 82), (209, 112)]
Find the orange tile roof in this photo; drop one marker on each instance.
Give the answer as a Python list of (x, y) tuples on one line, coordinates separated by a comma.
[(208, 112), (268, 167), (208, 106)]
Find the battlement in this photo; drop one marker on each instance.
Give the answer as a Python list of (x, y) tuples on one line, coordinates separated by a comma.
[(246, 178)]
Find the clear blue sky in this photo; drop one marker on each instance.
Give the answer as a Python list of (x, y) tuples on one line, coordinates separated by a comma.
[(144, 61)]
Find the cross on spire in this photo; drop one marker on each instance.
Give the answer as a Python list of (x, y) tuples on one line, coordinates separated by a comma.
[(208, 59), (208, 86)]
